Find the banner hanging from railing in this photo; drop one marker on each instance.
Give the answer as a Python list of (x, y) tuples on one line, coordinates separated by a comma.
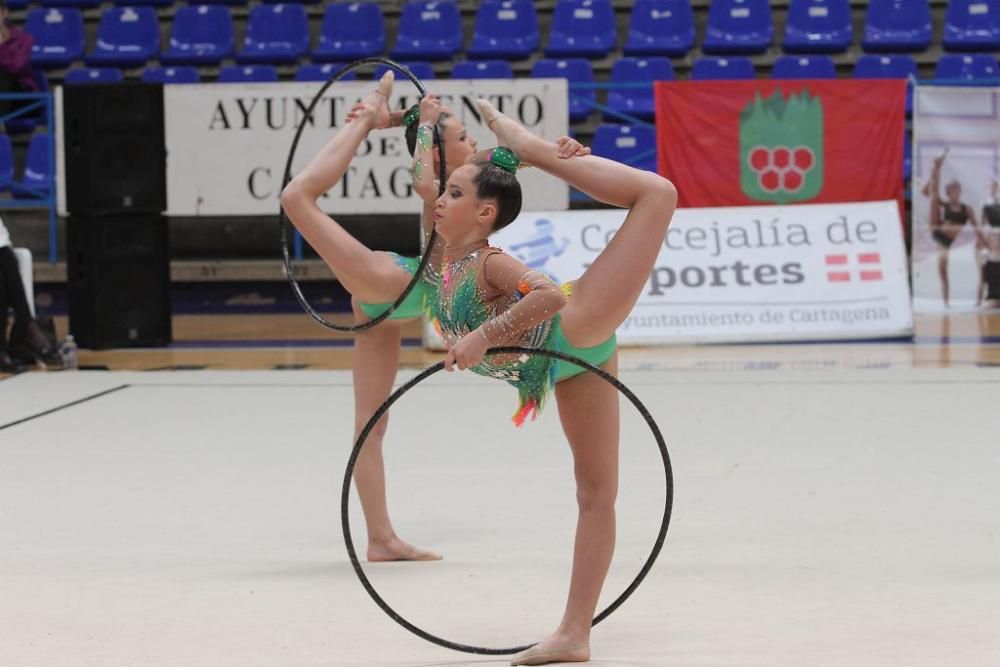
[(761, 273), (956, 198), (227, 143), (740, 143)]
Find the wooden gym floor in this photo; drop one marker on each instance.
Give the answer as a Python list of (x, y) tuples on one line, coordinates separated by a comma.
[(294, 341)]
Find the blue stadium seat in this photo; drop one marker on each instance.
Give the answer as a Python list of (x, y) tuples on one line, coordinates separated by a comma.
[(126, 37), (482, 69), (738, 26), (323, 72), (6, 163), (420, 68), (429, 30), (17, 4), (818, 26), (972, 25), (233, 3), (574, 70), (201, 35), (804, 67), (82, 4), (350, 30), (582, 29), (971, 67), (638, 101), (148, 3), (885, 67), (897, 25), (505, 29), (247, 74), (170, 75), (888, 67), (660, 28), (634, 145), (58, 36), (275, 34), (722, 69), (37, 168), (87, 75)]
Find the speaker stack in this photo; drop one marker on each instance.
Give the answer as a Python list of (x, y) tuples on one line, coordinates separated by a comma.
[(116, 235)]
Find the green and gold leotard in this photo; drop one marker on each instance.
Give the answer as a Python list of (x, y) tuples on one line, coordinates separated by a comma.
[(516, 308)]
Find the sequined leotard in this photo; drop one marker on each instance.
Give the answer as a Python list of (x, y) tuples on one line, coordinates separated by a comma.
[(515, 307)]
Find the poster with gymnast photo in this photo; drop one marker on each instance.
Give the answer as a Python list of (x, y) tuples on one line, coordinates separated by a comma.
[(956, 199)]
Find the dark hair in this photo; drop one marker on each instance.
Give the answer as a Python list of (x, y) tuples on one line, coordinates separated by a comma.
[(493, 182), (411, 131)]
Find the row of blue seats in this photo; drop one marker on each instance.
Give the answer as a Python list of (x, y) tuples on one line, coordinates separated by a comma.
[(130, 36), (633, 99)]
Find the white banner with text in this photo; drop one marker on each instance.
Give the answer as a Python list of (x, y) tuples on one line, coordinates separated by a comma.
[(227, 144), (759, 273)]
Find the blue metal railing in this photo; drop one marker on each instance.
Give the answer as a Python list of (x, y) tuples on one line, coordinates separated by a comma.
[(606, 112), (31, 198)]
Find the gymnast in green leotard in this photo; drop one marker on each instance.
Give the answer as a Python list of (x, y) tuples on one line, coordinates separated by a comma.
[(489, 299), (375, 279)]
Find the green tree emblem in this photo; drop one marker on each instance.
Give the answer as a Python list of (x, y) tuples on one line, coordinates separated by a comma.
[(781, 148)]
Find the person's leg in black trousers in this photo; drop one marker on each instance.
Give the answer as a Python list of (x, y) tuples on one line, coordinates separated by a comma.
[(27, 339), (7, 365)]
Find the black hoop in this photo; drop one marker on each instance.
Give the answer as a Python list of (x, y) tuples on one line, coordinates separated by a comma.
[(283, 220), (346, 494)]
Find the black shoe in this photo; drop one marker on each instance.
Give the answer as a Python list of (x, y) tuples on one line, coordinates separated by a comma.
[(29, 344), (8, 365)]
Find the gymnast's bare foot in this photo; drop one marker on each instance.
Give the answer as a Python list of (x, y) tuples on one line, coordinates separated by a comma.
[(375, 105), (396, 549), (557, 648), (491, 116)]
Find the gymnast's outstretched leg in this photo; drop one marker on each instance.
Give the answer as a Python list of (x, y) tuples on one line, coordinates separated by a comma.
[(608, 290), (372, 276)]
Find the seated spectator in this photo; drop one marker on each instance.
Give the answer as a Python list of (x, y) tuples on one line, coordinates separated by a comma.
[(27, 338), (15, 61)]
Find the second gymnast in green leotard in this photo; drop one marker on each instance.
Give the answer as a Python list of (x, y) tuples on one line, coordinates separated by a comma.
[(488, 299)]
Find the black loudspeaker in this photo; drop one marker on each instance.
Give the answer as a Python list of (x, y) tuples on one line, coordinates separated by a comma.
[(116, 158), (119, 281)]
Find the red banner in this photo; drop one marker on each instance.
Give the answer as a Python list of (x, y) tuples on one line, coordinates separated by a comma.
[(743, 143)]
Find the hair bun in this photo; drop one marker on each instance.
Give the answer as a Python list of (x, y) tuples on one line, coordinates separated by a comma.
[(505, 159)]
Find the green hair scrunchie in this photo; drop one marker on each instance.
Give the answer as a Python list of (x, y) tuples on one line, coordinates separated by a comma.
[(505, 159), (411, 116)]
